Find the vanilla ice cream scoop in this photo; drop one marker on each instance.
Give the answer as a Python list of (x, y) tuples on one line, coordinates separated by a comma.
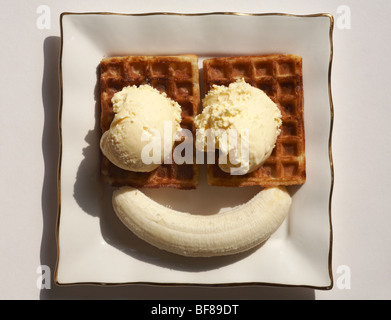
[(141, 116), (246, 111)]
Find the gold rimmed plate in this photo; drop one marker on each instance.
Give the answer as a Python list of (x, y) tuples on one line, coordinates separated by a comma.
[(93, 245)]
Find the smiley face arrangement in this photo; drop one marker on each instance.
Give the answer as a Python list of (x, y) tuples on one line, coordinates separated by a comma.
[(261, 97)]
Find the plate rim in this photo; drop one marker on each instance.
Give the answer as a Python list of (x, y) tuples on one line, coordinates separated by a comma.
[(214, 13)]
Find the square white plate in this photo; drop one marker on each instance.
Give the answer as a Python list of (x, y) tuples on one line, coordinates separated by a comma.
[(94, 246)]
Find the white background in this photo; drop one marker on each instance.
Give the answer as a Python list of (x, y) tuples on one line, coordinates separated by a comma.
[(361, 206)]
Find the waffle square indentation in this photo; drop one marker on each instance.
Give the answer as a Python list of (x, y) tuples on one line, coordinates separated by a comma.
[(136, 70), (218, 72), (181, 70), (287, 87), (285, 68), (159, 69), (289, 128), (242, 70), (290, 168), (289, 149), (184, 89), (263, 69), (268, 86), (288, 107)]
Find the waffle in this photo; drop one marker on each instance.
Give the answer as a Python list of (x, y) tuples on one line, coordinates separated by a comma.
[(280, 77), (178, 77)]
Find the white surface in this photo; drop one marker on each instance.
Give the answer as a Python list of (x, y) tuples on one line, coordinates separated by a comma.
[(361, 152), (297, 256)]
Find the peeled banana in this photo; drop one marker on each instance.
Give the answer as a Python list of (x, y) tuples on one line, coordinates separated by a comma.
[(224, 233)]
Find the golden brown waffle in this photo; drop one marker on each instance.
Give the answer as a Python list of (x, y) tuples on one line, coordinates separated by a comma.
[(281, 78), (177, 76)]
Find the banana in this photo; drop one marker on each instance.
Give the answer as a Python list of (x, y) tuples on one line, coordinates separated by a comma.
[(233, 231)]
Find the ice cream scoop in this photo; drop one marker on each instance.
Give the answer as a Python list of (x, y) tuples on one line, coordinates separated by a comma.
[(140, 117), (246, 111)]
